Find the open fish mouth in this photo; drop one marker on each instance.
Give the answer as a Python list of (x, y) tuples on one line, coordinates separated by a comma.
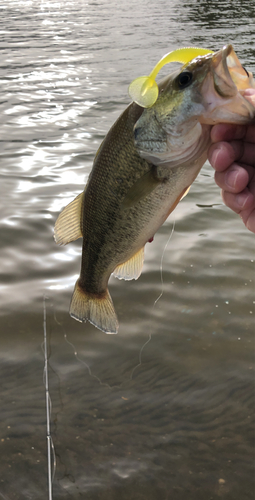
[(224, 88), (228, 73), (176, 129)]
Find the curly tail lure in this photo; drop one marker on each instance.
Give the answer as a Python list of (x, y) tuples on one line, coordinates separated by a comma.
[(144, 89)]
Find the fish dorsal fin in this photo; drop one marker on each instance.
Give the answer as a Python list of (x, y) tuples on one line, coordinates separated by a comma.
[(69, 222), (132, 268)]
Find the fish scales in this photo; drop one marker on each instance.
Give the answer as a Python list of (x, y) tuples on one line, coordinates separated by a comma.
[(117, 167), (143, 168)]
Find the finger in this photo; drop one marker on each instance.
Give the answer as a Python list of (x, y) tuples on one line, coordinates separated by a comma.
[(249, 92), (235, 178), (223, 154), (227, 132), (248, 217), (244, 151), (239, 202), (231, 132)]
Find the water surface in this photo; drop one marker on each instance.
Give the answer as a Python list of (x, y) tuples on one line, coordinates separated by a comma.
[(174, 421)]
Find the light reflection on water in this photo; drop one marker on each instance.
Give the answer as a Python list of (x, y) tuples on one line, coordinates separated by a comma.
[(181, 422)]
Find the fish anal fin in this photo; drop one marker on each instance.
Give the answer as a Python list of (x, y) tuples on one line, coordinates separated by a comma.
[(69, 222), (97, 309), (132, 268)]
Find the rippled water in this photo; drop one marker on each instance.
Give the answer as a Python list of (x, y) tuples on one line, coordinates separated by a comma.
[(174, 421)]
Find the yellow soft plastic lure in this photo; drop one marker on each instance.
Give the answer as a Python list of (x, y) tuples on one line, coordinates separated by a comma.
[(144, 90)]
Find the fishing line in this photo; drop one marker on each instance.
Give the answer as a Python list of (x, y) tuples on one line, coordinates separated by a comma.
[(50, 445), (161, 264), (4, 497), (156, 301), (84, 362), (143, 346)]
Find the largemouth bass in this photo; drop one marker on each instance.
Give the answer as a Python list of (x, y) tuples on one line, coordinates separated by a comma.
[(143, 168)]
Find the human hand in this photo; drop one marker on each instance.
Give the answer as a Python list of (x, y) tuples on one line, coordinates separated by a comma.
[(232, 155)]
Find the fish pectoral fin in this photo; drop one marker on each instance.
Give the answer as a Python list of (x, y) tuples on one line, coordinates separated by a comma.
[(185, 193), (132, 268), (98, 310), (141, 188), (69, 222)]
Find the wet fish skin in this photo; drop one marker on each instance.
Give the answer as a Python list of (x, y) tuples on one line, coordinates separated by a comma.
[(143, 168), (115, 228), (211, 98), (117, 167)]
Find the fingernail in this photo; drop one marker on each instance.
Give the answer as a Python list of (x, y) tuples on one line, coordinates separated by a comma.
[(213, 159), (241, 199), (231, 178)]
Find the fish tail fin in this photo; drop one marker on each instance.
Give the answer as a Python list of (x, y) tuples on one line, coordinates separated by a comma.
[(98, 309)]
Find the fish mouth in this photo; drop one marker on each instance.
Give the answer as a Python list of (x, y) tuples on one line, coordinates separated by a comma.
[(181, 133), (224, 88), (228, 73)]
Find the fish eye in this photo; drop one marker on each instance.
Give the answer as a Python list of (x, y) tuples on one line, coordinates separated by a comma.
[(184, 79)]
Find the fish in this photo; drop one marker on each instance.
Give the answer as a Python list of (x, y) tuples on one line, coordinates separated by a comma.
[(143, 168)]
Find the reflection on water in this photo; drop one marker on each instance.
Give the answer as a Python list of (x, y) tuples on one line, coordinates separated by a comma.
[(216, 15), (174, 420)]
